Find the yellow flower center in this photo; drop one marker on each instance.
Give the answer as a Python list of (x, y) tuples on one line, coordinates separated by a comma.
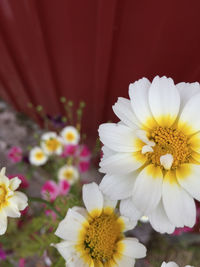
[(102, 236), (39, 155), (169, 141), (68, 174), (3, 195), (52, 144), (70, 136)]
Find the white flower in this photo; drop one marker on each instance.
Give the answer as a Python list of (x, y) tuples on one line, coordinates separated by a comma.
[(94, 236), (51, 143), (70, 135), (68, 173), (152, 157), (11, 201), (172, 264), (37, 156)]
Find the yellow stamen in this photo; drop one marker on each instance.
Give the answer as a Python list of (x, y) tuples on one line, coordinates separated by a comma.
[(68, 174), (169, 141), (3, 195), (39, 155), (70, 136), (52, 144), (101, 237)]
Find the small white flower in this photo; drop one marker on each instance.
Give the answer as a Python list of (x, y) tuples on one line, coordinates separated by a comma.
[(68, 173), (172, 264), (37, 156), (11, 201), (70, 135), (152, 157), (51, 143), (94, 236)]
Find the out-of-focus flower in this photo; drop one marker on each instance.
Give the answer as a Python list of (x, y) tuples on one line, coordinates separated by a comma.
[(68, 173), (51, 190), (24, 182), (2, 254), (94, 236), (70, 135), (22, 262), (11, 201), (172, 264), (84, 166), (69, 150), (37, 156), (15, 154), (51, 143), (85, 151), (153, 154)]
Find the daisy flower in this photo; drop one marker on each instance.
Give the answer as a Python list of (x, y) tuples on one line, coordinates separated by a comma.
[(152, 156), (70, 135), (94, 236), (51, 143), (37, 156), (11, 201), (172, 264), (68, 173)]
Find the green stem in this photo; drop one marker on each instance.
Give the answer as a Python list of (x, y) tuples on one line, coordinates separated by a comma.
[(47, 203)]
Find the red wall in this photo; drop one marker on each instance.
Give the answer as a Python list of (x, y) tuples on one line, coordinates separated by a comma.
[(93, 49)]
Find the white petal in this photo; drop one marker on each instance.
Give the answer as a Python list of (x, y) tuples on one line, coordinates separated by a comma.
[(179, 206), (146, 149), (3, 171), (189, 122), (118, 137), (107, 152), (128, 223), (124, 261), (186, 91), (3, 223), (147, 189), (124, 112), (12, 210), (92, 198), (109, 203), (66, 249), (169, 264), (128, 209), (194, 142), (121, 163), (188, 176), (118, 186), (166, 161), (164, 100), (14, 183), (132, 248), (160, 221), (138, 92), (69, 228), (20, 199)]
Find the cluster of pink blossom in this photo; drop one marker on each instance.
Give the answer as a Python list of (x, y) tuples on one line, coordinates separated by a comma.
[(81, 155), (15, 154)]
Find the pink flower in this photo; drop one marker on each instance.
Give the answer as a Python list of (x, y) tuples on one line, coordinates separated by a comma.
[(22, 262), (69, 150), (15, 154), (85, 151), (2, 254), (51, 213), (64, 187), (24, 182), (179, 231), (50, 190), (84, 166)]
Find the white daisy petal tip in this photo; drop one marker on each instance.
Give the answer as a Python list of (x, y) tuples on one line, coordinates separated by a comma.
[(166, 161), (147, 148), (93, 239)]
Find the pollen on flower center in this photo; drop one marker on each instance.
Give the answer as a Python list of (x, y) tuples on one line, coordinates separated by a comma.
[(52, 144), (169, 141), (3, 195), (70, 136), (101, 237)]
